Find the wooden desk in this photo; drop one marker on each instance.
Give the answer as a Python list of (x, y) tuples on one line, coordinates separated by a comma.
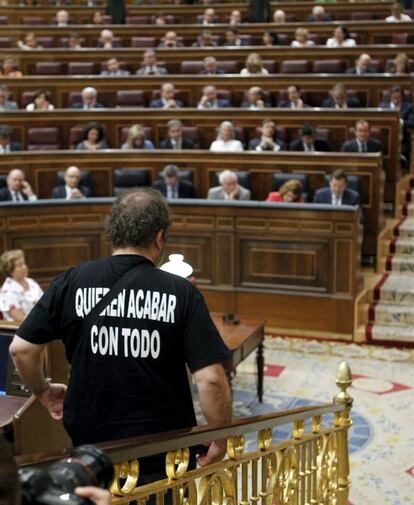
[(9, 406), (242, 339)]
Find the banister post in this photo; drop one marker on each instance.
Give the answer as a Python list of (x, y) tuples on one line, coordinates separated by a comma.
[(343, 421)]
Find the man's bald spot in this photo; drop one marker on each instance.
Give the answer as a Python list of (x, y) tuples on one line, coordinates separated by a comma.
[(72, 169), (16, 172)]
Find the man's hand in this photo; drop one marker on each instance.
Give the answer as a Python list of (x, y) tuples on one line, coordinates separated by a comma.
[(27, 189), (215, 453), (75, 193), (52, 399), (97, 495)]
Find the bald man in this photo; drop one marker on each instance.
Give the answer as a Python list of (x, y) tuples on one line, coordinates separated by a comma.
[(18, 189), (72, 189)]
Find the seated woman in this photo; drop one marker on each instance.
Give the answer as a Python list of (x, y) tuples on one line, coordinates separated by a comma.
[(341, 38), (93, 138), (29, 43), (290, 192), (302, 38), (226, 140), (254, 66), (136, 139), (41, 101), (399, 65), (19, 292), (270, 38), (10, 68)]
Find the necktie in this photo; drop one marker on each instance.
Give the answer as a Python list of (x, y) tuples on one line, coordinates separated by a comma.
[(364, 147)]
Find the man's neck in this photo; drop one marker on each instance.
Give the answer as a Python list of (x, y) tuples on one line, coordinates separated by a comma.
[(135, 250)]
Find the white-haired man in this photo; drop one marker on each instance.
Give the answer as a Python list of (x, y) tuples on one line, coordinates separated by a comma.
[(89, 97), (17, 189), (229, 188)]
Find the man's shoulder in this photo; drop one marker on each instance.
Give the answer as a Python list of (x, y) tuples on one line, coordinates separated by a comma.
[(4, 193)]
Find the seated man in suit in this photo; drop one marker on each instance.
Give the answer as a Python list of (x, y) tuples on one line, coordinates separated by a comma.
[(113, 69), (307, 142), (362, 143), (362, 65), (6, 146), (294, 100), (71, 190), (167, 99), (210, 67), (338, 192), (150, 65), (5, 103), (171, 186), (233, 38), (339, 100), (267, 140), (205, 39), (175, 138), (209, 17), (170, 41), (107, 40), (62, 19), (229, 188), (89, 100), (319, 15), (18, 189), (255, 99), (209, 99)]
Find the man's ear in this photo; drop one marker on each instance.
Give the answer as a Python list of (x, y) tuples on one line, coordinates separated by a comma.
[(159, 239)]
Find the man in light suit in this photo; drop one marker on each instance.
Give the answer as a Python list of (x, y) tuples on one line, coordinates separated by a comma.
[(172, 186), (229, 188), (72, 190), (338, 193), (362, 143), (113, 69), (18, 189), (209, 99), (339, 100), (5, 103), (6, 145)]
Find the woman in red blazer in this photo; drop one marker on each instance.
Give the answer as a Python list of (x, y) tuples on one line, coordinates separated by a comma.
[(290, 192)]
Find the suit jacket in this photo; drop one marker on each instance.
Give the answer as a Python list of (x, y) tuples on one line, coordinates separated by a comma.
[(327, 17), (9, 105), (406, 112), (115, 44), (221, 104), (79, 105), (351, 102), (286, 104), (160, 70), (158, 104), (351, 146), (219, 71), (255, 142), (60, 191), (320, 145), (353, 70), (217, 193), (246, 105), (5, 195), (119, 73), (185, 144), (349, 197), (186, 189)]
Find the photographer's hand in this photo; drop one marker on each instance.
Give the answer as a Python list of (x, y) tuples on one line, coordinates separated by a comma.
[(52, 399), (97, 495)]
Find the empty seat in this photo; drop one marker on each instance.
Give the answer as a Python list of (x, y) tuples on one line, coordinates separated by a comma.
[(33, 20), (81, 68), (5, 42), (129, 178), (186, 174), (137, 20), (64, 41), (39, 139), (27, 97), (294, 67), (143, 41), (243, 179), (270, 66), (229, 66), (191, 67), (170, 19), (225, 94), (46, 41), (246, 40), (74, 96), (49, 68), (314, 37), (75, 136), (130, 98), (191, 132), (329, 66), (4, 20), (399, 38), (280, 178), (361, 16), (85, 178), (323, 134)]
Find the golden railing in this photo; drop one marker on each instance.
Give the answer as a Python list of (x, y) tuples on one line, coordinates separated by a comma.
[(311, 467)]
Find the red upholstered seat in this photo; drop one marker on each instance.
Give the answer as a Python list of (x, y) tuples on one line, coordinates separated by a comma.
[(329, 66), (399, 38), (75, 136), (270, 66), (33, 20), (170, 19), (247, 40), (191, 132), (39, 139), (283, 39), (143, 41), (323, 134), (294, 67), (225, 94), (81, 68), (27, 97), (49, 68), (137, 20), (64, 41), (314, 37), (191, 67), (4, 20), (130, 98), (46, 41), (229, 66), (74, 96), (5, 42), (361, 16)]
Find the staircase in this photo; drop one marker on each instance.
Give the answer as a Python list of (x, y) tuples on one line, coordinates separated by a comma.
[(391, 313)]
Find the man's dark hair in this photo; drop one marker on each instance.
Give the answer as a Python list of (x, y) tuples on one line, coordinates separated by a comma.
[(170, 171), (396, 89), (339, 175), (307, 130), (136, 217)]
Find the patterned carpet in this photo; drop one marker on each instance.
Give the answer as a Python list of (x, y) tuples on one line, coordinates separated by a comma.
[(391, 316), (301, 372)]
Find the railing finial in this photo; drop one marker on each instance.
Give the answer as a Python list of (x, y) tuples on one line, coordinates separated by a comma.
[(343, 381)]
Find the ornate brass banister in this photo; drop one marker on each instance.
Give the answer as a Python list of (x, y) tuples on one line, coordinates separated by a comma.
[(312, 467)]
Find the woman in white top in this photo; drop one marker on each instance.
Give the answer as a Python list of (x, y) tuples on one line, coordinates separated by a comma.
[(254, 66), (226, 139), (302, 38), (41, 101), (341, 38), (397, 14), (19, 292)]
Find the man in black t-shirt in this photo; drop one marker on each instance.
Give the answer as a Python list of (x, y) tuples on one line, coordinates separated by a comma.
[(128, 355)]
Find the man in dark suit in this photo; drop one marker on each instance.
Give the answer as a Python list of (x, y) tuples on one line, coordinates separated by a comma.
[(172, 187), (71, 190), (210, 67), (209, 100), (319, 15), (233, 38), (294, 100), (339, 100), (18, 189), (167, 100), (307, 142), (362, 143), (175, 138), (267, 140), (6, 146), (363, 65), (338, 193), (89, 100), (107, 40), (255, 99)]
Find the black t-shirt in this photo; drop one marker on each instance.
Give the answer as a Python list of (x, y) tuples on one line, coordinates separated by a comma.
[(128, 374)]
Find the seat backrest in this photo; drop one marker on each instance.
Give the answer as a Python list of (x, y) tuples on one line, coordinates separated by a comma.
[(46, 138), (329, 66), (49, 68), (33, 20), (74, 96), (5, 42), (224, 94), (294, 67), (137, 20), (187, 175), (243, 179), (46, 41), (192, 132), (280, 178), (75, 136), (191, 67), (81, 68), (323, 134), (3, 181), (361, 16), (270, 66), (354, 183), (130, 98), (27, 97), (4, 20), (143, 41), (229, 66), (128, 178), (85, 178), (64, 41), (399, 38)]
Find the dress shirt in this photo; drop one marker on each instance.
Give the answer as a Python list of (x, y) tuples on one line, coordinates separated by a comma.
[(333, 42), (172, 191), (362, 146), (17, 196), (308, 149), (336, 200), (70, 191), (5, 149), (404, 19), (176, 144)]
